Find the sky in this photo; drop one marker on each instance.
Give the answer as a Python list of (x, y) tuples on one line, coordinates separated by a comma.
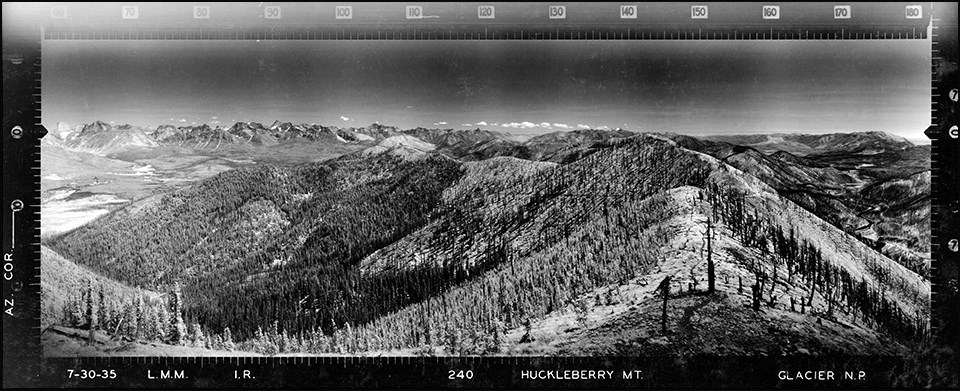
[(692, 87)]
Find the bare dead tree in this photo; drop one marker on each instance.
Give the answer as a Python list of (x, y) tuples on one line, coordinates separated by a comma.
[(664, 288), (711, 271)]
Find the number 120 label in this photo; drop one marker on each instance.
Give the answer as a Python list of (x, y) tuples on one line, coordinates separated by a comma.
[(486, 12)]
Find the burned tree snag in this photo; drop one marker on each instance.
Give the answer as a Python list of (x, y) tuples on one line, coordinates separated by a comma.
[(664, 288), (711, 271)]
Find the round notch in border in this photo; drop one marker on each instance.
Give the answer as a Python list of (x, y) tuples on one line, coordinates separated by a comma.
[(953, 245), (954, 132), (953, 94), (16, 205), (16, 132)]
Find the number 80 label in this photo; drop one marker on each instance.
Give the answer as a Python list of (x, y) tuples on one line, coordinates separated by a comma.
[(201, 12), (914, 11)]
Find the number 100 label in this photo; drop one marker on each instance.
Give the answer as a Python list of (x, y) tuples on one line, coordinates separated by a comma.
[(344, 12)]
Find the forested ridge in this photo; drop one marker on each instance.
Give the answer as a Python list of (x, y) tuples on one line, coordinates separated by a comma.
[(379, 253)]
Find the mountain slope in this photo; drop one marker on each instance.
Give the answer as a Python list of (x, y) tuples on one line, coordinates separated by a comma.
[(384, 253), (841, 187)]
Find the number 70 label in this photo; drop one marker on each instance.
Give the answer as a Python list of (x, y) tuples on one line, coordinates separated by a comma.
[(130, 12)]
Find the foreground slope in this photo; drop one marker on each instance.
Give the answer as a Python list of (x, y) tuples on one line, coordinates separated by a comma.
[(614, 237), (384, 252)]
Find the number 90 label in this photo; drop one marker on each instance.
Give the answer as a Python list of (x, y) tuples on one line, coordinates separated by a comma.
[(272, 12)]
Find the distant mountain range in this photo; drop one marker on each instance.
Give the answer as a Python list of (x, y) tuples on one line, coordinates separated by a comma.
[(805, 144), (103, 138)]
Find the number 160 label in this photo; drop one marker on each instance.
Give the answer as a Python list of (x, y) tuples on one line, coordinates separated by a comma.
[(771, 12)]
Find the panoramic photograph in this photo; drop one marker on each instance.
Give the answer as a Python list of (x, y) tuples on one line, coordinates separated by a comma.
[(485, 198)]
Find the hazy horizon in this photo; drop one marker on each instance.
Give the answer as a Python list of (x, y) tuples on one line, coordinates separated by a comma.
[(522, 87)]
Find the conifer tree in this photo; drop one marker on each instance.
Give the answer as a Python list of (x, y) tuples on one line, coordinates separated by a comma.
[(163, 320), (103, 314), (228, 340), (90, 312), (197, 339), (178, 328), (140, 315)]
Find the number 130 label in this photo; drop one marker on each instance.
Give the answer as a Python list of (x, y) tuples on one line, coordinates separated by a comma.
[(557, 12)]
